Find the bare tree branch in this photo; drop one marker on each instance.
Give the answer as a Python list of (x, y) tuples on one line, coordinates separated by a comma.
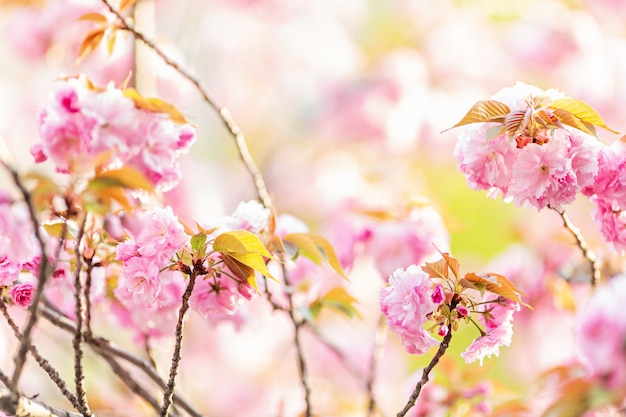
[(176, 356), (26, 407), (589, 254), (79, 376), (426, 373), (43, 363), (43, 274), (102, 346)]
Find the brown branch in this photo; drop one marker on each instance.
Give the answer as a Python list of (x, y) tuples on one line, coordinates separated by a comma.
[(79, 376), (43, 363), (21, 406), (223, 112), (587, 252), (102, 346), (296, 339), (176, 356), (377, 351), (426, 373), (43, 274), (131, 383)]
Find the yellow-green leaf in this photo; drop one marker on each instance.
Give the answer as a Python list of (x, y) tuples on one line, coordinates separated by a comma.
[(569, 119), (61, 230), (156, 105), (497, 284), (244, 247), (485, 111), (317, 249), (583, 111), (339, 299), (240, 241), (125, 177)]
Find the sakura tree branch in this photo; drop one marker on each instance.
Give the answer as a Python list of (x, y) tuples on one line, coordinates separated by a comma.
[(297, 325), (377, 351), (426, 373), (21, 406), (131, 383), (587, 252), (223, 112), (43, 274), (41, 361), (169, 389), (79, 376), (104, 347)]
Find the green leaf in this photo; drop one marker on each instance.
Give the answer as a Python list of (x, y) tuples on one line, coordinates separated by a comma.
[(485, 111), (494, 131), (581, 110), (198, 244), (125, 177), (317, 249)]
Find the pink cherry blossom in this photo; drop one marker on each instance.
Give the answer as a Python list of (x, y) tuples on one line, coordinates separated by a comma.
[(407, 302), (611, 220), (250, 215), (601, 333), (486, 163), (497, 317), (22, 294)]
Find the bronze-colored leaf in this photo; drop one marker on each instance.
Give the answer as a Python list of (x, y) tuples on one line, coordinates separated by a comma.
[(125, 4), (569, 119), (91, 42), (497, 284), (485, 111), (437, 269), (581, 110), (94, 17), (156, 105)]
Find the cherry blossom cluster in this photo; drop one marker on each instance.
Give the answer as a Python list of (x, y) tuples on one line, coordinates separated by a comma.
[(389, 239), (155, 259), (549, 166), (81, 127), (16, 250), (544, 168), (415, 306)]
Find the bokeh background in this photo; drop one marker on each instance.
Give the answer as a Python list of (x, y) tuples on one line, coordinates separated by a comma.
[(343, 103)]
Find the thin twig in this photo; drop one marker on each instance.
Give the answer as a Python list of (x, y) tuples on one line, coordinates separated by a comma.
[(426, 373), (102, 346), (43, 274), (588, 253), (296, 339), (377, 351), (176, 356), (79, 376), (223, 112), (87, 295), (43, 363)]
